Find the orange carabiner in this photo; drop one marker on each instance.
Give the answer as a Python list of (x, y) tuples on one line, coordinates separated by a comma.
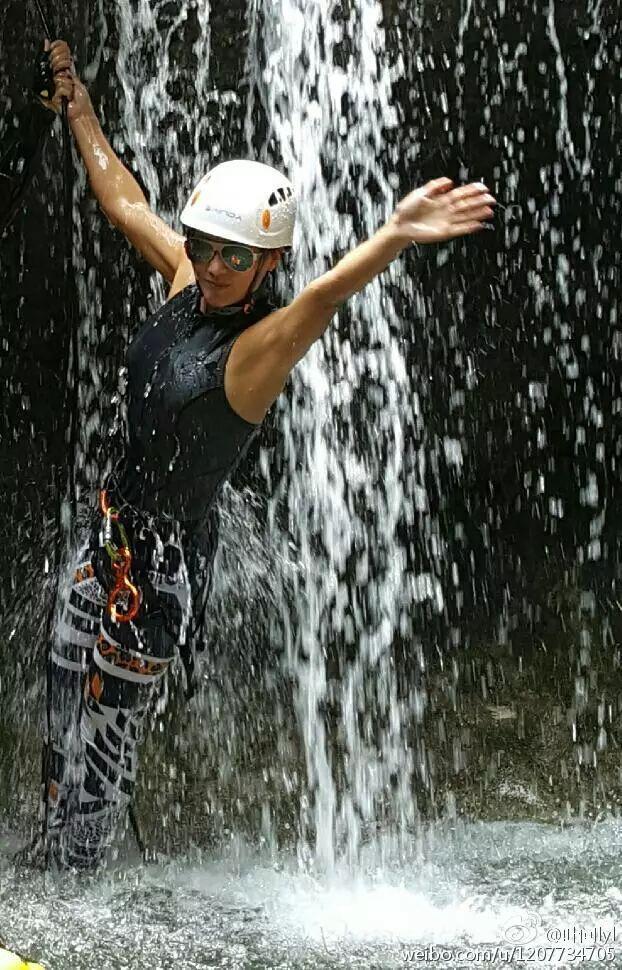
[(123, 587), (130, 611), (121, 563)]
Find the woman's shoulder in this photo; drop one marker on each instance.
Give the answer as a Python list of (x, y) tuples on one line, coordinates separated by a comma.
[(184, 278), (188, 294)]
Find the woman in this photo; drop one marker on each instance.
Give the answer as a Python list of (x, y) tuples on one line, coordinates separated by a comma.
[(21, 141), (202, 374)]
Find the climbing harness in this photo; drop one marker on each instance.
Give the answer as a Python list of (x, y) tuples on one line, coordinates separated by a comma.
[(124, 598)]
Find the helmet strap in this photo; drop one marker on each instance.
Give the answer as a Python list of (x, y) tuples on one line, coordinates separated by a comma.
[(256, 288)]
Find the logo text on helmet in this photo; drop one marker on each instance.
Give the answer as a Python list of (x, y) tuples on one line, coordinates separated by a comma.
[(224, 212)]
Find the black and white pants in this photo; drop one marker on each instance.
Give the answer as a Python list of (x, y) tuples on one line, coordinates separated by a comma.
[(103, 677)]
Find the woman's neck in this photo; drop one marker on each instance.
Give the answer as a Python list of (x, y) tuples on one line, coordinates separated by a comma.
[(206, 308)]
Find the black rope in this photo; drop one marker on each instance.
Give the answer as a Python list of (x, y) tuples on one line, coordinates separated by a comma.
[(46, 759), (66, 490), (46, 29), (72, 368)]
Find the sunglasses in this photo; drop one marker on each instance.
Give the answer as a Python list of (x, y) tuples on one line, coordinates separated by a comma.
[(234, 255)]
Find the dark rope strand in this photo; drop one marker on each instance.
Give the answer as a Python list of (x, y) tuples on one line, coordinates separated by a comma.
[(65, 490), (46, 29), (46, 760), (27, 852), (73, 361)]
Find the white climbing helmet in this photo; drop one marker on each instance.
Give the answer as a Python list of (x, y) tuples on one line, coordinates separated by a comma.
[(246, 202)]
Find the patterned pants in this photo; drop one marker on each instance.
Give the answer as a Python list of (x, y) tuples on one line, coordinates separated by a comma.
[(104, 674)]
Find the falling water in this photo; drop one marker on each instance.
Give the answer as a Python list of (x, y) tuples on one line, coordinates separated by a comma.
[(350, 475)]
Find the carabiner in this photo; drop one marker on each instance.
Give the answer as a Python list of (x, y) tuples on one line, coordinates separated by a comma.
[(121, 563)]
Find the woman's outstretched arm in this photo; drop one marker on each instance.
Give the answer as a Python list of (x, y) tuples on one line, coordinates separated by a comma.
[(119, 194), (264, 355)]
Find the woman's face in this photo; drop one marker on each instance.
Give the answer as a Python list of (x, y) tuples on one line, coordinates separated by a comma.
[(222, 286)]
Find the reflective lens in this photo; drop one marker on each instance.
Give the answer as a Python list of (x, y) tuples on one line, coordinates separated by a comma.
[(234, 255), (237, 257)]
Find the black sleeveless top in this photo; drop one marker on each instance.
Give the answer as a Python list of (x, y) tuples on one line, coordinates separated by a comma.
[(184, 438)]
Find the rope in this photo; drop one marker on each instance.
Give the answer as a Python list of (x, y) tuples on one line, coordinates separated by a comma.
[(46, 29), (67, 490)]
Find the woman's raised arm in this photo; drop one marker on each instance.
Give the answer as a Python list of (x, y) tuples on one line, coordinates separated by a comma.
[(264, 355), (119, 194)]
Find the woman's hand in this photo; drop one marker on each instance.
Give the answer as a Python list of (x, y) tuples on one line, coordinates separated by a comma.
[(66, 83), (61, 66), (438, 212)]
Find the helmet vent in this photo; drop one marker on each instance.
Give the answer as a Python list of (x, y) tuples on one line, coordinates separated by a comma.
[(281, 195)]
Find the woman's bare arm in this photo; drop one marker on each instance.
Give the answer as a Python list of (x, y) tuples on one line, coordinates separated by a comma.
[(119, 194), (265, 354)]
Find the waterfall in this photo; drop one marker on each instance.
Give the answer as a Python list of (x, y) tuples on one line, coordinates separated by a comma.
[(348, 426), (167, 134)]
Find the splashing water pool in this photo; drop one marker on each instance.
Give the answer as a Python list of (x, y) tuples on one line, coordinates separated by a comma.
[(496, 894)]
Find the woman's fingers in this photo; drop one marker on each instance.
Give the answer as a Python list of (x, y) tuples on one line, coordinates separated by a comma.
[(469, 194), (59, 45), (438, 212), (437, 187), (478, 212), (473, 206), (468, 205), (60, 56), (64, 88), (61, 64), (473, 188)]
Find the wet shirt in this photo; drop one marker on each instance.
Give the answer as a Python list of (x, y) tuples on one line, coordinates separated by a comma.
[(184, 438), (21, 142)]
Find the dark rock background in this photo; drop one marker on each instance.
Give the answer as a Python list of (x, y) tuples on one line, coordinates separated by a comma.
[(522, 668)]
